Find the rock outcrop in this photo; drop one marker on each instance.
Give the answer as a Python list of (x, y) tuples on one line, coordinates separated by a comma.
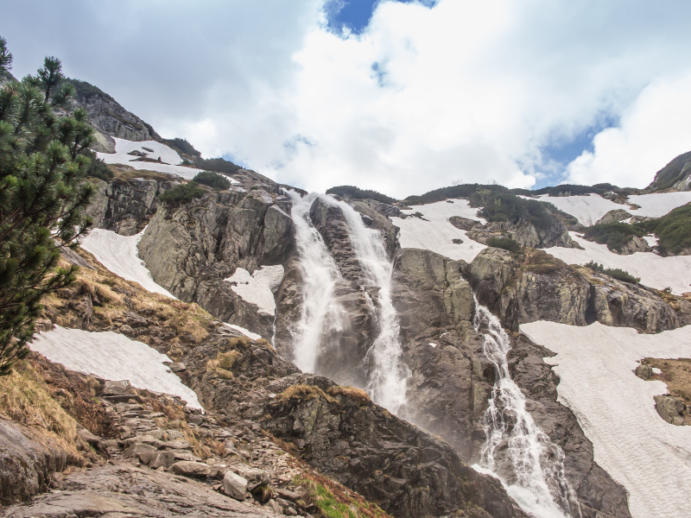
[(190, 249), (541, 287), (28, 460), (109, 118), (522, 231), (126, 206), (675, 176), (451, 378)]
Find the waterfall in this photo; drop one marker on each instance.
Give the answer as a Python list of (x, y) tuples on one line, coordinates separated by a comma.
[(320, 310), (321, 313), (387, 372), (536, 465)]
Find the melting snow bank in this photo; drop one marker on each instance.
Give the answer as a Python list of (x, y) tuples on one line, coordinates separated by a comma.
[(120, 255), (655, 271), (590, 208), (113, 357), (170, 159), (258, 288), (616, 410), (437, 234)]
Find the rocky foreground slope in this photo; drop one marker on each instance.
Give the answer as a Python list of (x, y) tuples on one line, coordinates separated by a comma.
[(138, 453)]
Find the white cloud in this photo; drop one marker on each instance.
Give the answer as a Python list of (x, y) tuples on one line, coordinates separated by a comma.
[(462, 91), (652, 131)]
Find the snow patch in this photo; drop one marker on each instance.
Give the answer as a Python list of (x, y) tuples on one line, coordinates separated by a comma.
[(590, 208), (432, 344), (112, 356), (120, 255), (655, 271), (243, 331), (616, 409), (258, 288), (651, 240), (656, 370), (437, 234), (170, 159)]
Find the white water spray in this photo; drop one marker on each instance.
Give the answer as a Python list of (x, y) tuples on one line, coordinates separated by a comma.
[(320, 309), (321, 313), (539, 484), (387, 372)]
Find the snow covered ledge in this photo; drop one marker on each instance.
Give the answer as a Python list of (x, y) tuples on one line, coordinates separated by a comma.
[(114, 357), (616, 409)]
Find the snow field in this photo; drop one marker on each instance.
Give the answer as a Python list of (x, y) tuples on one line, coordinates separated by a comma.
[(655, 271), (258, 288), (590, 208), (120, 255), (114, 357), (616, 409), (169, 156), (437, 234)]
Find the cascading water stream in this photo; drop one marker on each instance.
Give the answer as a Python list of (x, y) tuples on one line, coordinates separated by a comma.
[(323, 315), (538, 482), (320, 309), (387, 372)]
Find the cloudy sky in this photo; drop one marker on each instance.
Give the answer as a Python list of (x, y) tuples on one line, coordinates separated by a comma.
[(401, 97)]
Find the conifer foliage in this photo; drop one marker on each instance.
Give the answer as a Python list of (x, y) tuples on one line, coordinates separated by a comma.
[(43, 162)]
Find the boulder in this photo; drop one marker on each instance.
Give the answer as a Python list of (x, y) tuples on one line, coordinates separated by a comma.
[(163, 459), (144, 452), (234, 485), (254, 477), (27, 461), (671, 409), (191, 469)]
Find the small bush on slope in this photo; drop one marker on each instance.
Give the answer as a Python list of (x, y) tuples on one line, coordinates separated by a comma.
[(614, 235), (617, 273), (507, 244), (182, 193), (98, 168), (218, 165), (213, 180), (350, 191), (672, 230)]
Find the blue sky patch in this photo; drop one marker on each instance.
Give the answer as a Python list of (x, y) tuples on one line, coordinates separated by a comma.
[(356, 14), (564, 151)]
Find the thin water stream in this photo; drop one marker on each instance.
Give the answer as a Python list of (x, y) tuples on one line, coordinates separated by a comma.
[(516, 450)]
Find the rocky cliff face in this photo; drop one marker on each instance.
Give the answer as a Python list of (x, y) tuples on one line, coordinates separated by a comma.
[(539, 287), (523, 232), (451, 378), (191, 249), (109, 119), (126, 206), (675, 176)]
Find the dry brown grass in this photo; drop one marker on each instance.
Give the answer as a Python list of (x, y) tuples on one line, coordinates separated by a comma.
[(25, 399), (113, 298), (304, 392), (676, 374), (357, 394)]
